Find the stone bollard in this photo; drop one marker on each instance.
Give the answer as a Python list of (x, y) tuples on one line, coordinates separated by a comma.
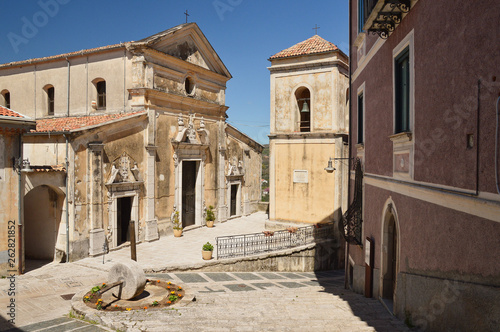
[(133, 277)]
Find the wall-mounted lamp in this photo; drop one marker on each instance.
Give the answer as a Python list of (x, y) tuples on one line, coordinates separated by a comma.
[(22, 165), (330, 167)]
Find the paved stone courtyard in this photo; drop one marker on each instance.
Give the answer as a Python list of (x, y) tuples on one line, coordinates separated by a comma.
[(236, 301)]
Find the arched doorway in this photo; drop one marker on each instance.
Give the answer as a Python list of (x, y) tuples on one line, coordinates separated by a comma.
[(390, 256), (43, 208)]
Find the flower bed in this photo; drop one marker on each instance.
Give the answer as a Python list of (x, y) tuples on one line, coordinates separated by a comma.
[(157, 294)]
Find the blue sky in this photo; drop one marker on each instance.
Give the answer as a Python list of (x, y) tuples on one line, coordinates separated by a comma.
[(245, 33)]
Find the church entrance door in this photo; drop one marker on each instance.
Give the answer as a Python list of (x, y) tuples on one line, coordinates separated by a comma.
[(188, 193), (123, 215), (234, 192)]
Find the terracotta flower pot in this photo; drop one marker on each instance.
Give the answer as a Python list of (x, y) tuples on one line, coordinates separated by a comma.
[(210, 223), (177, 232), (207, 255)]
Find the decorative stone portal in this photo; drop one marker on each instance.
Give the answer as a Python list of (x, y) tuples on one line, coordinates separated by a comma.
[(234, 176), (189, 175), (124, 187), (235, 189), (190, 148), (123, 215)]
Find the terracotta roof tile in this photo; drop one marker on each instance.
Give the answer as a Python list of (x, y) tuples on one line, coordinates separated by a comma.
[(77, 122), (4, 111), (62, 56), (313, 45)]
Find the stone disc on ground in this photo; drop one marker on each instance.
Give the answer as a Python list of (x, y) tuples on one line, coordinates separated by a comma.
[(133, 277)]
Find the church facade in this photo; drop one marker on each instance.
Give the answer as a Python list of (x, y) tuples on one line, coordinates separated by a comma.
[(132, 131)]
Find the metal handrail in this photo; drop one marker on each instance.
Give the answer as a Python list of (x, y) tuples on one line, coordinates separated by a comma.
[(256, 243)]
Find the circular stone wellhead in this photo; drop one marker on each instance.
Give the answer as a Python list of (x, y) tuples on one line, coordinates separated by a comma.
[(133, 277)]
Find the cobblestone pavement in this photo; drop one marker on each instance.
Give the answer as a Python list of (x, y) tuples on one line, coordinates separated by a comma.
[(256, 301), (165, 253), (262, 301)]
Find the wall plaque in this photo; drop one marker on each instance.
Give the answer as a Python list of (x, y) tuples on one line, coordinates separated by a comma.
[(300, 176)]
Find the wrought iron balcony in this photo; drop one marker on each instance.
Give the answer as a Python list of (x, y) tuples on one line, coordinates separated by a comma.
[(381, 17)]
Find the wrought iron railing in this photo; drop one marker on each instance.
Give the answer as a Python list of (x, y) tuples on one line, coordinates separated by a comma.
[(383, 15), (257, 243)]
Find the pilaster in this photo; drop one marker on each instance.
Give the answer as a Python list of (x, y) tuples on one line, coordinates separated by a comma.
[(97, 235)]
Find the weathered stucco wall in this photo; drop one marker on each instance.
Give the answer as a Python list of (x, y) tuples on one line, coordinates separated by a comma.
[(9, 203), (298, 201), (328, 110), (26, 84)]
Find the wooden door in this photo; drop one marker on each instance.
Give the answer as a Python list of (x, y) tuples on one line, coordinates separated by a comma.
[(123, 215), (234, 192), (188, 193)]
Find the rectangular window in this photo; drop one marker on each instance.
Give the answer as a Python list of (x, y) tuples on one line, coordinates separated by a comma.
[(402, 91), (50, 101), (360, 119)]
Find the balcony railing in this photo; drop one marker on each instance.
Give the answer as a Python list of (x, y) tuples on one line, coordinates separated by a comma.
[(381, 17)]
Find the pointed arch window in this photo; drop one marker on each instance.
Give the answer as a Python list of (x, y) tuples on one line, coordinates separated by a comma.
[(303, 97)]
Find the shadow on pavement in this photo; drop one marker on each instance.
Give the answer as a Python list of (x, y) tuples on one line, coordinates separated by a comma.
[(5, 325), (368, 310), (33, 264)]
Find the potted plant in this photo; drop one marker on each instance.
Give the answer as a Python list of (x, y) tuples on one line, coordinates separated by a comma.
[(210, 218), (207, 251), (176, 223)]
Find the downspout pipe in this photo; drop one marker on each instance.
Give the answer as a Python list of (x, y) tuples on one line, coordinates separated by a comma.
[(67, 169), (67, 108), (19, 209), (496, 149), (67, 200), (346, 264), (478, 126)]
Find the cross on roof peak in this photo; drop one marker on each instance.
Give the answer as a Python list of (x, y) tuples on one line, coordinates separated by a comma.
[(186, 13), (316, 27)]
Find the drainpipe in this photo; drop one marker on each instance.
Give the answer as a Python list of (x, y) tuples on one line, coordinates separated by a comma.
[(67, 170), (346, 264), (67, 110), (478, 123), (19, 211), (67, 200)]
